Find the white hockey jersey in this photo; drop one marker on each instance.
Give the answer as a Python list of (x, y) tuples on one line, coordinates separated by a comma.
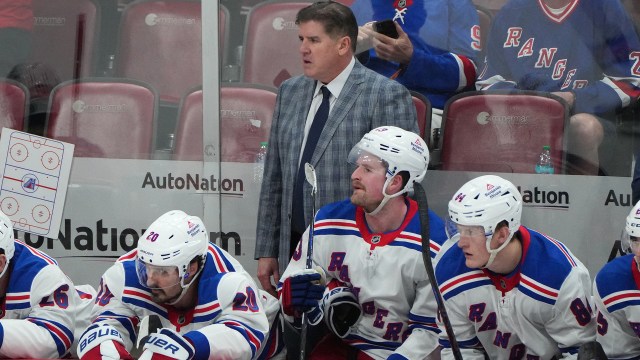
[(229, 321), (538, 311), (38, 312), (616, 293), (385, 271)]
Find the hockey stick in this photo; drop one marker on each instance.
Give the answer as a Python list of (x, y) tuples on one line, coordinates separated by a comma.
[(148, 325), (423, 210), (591, 351), (310, 175)]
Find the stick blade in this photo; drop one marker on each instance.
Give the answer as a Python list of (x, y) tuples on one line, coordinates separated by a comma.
[(310, 175)]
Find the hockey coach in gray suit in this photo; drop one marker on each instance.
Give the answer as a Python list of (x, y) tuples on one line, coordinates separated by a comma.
[(318, 118)]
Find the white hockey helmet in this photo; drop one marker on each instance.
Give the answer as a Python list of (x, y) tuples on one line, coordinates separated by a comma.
[(7, 243), (487, 201), (172, 241), (630, 238), (400, 150)]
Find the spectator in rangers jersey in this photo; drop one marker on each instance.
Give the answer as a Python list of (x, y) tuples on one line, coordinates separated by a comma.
[(378, 301), (510, 289), (40, 307), (208, 305), (615, 293), (435, 52), (586, 52)]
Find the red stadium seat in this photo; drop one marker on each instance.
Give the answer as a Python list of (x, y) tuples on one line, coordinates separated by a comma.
[(64, 36), (160, 43), (14, 104), (245, 121), (271, 45), (423, 111), (106, 119), (503, 131)]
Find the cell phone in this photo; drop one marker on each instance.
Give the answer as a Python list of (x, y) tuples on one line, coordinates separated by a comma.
[(386, 27)]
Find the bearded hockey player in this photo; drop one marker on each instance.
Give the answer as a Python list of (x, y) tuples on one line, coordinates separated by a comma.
[(208, 305), (39, 306), (378, 301), (513, 291), (616, 292)]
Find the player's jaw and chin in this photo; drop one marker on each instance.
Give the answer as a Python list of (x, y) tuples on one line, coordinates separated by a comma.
[(165, 295), (363, 198)]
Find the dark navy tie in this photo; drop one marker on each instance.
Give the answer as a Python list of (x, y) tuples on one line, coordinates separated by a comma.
[(319, 120)]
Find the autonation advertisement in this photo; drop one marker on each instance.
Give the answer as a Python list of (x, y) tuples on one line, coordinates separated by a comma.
[(110, 202)]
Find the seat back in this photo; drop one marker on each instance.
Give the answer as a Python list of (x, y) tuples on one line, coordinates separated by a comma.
[(245, 121), (107, 118), (14, 105), (65, 34), (160, 43), (423, 112), (271, 44), (503, 131)]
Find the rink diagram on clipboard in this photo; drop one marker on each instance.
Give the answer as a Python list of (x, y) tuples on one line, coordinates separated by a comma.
[(31, 183)]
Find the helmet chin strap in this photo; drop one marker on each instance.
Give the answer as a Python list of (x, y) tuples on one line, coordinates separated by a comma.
[(386, 198), (493, 252), (185, 288)]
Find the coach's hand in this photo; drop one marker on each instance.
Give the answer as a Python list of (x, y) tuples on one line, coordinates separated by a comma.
[(267, 268), (302, 292), (167, 345)]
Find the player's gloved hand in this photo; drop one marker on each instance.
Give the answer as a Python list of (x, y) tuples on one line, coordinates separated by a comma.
[(102, 342), (302, 292), (341, 309), (167, 345)]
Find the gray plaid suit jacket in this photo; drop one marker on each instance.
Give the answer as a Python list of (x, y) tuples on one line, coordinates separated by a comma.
[(368, 100)]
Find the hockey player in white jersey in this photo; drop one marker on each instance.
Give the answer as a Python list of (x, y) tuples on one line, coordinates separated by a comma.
[(39, 305), (616, 293), (209, 306), (378, 301), (509, 290)]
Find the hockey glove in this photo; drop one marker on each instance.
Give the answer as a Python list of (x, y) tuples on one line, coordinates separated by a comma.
[(341, 309), (301, 292), (102, 342), (167, 345)]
